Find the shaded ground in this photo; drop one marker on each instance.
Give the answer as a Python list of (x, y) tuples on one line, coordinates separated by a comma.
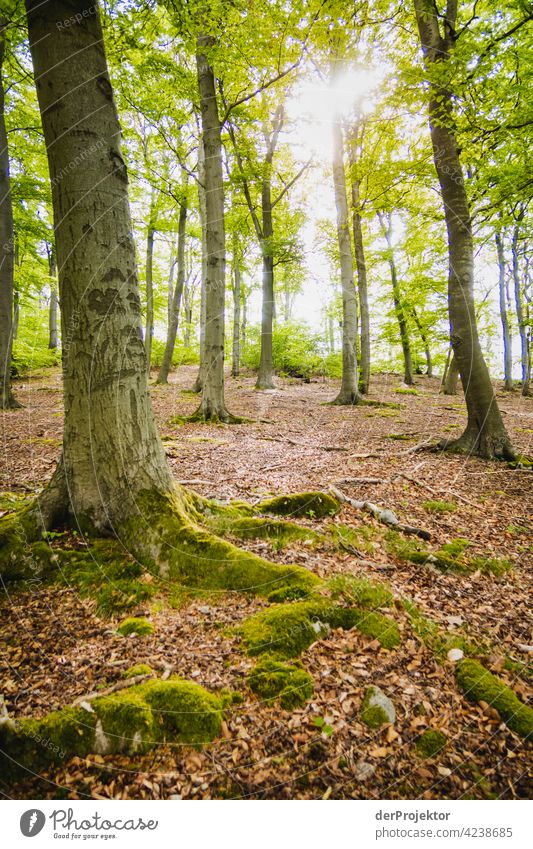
[(55, 649)]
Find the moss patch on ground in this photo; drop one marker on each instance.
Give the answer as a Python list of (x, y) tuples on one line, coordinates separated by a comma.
[(360, 591), (133, 625), (430, 743), (439, 506), (280, 533), (313, 505), (448, 558), (272, 680), (287, 630), (130, 721), (138, 669), (478, 684)]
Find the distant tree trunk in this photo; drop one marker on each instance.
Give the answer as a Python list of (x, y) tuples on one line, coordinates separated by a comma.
[(425, 342), (349, 391), (504, 316), (452, 377), (52, 312), (386, 225), (525, 343), (187, 309), (170, 284), (331, 334), (166, 363), (236, 349), (150, 235), (7, 400), (287, 306), (212, 406), (360, 264), (485, 434), (199, 382), (244, 323)]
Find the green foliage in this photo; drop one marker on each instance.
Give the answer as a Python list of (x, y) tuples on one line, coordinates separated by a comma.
[(478, 684), (30, 349), (134, 625), (182, 356), (296, 350), (430, 743), (271, 679)]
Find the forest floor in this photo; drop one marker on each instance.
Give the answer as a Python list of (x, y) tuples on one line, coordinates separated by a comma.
[(55, 649)]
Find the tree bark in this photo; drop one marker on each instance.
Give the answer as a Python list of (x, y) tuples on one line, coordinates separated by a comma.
[(212, 406), (525, 343), (150, 234), (199, 382), (236, 346), (504, 316), (452, 377), (485, 434), (52, 312), (111, 449), (7, 268), (349, 391), (360, 264), (425, 342), (166, 363), (386, 226), (170, 283)]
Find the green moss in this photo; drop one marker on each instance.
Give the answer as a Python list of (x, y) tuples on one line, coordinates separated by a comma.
[(430, 743), (138, 669), (13, 501), (287, 630), (496, 566), (439, 506), (314, 505), (360, 591), (22, 554), (129, 721), (478, 684), (272, 680), (133, 625), (352, 539), (430, 633), (400, 437), (280, 533), (406, 390), (448, 558), (372, 713)]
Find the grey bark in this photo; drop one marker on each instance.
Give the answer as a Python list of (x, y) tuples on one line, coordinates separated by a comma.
[(360, 263), (349, 391), (236, 342), (166, 363), (212, 406), (7, 269), (199, 382), (111, 450), (399, 310), (150, 235), (485, 433), (54, 301), (504, 315), (451, 378), (525, 341), (425, 342), (170, 283)]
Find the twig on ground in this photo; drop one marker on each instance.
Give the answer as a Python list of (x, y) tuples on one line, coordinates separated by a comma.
[(386, 516)]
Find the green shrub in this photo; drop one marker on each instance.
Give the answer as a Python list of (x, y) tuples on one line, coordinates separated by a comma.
[(182, 356)]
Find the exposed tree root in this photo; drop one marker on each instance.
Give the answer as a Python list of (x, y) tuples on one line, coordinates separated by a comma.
[(480, 443), (387, 517)]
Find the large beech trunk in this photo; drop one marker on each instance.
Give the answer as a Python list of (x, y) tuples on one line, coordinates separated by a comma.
[(360, 264), (176, 297), (111, 449), (7, 267), (212, 405), (485, 433), (149, 276), (349, 391)]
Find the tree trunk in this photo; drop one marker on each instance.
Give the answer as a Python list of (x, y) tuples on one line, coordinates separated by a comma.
[(525, 353), (452, 377), (212, 406), (187, 309), (166, 363), (485, 434), (7, 268), (504, 316), (170, 284), (349, 391), (244, 323), (52, 313), (360, 264), (265, 379), (425, 342), (199, 382), (386, 225), (111, 450), (236, 348), (149, 332)]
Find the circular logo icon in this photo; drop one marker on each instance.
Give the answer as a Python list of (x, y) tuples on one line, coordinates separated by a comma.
[(32, 822)]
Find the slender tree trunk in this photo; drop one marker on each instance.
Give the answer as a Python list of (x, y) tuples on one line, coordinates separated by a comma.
[(7, 269), (452, 377), (360, 264), (522, 324), (485, 433), (386, 226), (236, 348), (187, 309), (349, 391), (52, 313), (244, 323), (504, 316), (170, 284), (265, 379), (111, 450), (166, 363), (212, 406), (199, 382), (150, 235), (425, 342)]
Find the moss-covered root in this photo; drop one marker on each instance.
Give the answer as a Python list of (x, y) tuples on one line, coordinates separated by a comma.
[(287, 630), (315, 505), (130, 721), (478, 684), (271, 680), (167, 536), (22, 553)]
